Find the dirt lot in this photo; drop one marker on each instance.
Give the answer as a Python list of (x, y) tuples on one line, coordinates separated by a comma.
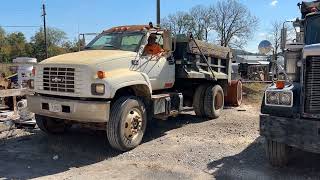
[(185, 147)]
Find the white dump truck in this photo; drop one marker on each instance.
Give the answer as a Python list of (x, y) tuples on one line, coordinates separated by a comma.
[(126, 77)]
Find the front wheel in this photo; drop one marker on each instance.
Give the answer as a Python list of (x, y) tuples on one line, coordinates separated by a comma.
[(127, 123), (277, 153)]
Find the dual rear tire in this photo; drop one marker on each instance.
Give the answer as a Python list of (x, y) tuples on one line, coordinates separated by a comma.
[(208, 101)]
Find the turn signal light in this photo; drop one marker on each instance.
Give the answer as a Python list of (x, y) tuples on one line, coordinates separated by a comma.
[(101, 74), (280, 84)]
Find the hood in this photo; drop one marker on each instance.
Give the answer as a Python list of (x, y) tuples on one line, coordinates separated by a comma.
[(90, 57), (311, 50)]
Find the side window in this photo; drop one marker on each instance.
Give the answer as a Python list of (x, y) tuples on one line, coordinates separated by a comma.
[(160, 40), (155, 45)]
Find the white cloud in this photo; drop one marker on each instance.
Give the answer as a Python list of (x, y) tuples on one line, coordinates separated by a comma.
[(262, 35), (274, 3)]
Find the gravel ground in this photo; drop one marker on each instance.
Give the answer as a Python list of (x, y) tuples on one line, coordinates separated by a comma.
[(184, 147)]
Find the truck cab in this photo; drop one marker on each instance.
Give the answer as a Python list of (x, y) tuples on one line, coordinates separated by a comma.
[(290, 111), (124, 78)]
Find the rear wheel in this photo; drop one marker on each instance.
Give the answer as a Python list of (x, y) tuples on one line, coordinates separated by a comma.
[(277, 153), (127, 123), (51, 125), (213, 101), (198, 100)]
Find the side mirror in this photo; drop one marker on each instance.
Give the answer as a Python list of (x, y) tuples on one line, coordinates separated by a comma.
[(174, 44), (167, 41), (283, 38)]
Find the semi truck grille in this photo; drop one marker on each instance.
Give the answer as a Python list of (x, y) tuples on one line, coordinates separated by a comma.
[(58, 79), (312, 85)]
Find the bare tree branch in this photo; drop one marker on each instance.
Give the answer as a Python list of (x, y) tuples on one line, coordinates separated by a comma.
[(233, 23)]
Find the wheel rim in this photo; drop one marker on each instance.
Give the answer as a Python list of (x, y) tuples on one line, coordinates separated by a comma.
[(133, 124), (218, 101)]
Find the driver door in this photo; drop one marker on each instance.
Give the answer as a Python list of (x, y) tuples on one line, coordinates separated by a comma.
[(160, 71)]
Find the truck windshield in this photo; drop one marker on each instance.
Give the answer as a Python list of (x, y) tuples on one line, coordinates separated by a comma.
[(313, 30), (116, 41)]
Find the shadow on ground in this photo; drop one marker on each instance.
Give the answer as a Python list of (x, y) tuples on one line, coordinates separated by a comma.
[(37, 154), (251, 164), (159, 128)]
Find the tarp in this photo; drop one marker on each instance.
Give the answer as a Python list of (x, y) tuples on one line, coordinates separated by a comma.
[(306, 7)]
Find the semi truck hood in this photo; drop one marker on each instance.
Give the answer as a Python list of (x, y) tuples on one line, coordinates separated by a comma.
[(90, 57), (311, 50)]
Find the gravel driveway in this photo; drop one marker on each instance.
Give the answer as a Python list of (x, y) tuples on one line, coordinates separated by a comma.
[(184, 147)]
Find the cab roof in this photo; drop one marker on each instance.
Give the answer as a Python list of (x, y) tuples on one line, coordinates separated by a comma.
[(130, 28)]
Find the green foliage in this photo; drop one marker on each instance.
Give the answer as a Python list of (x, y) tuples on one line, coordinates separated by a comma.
[(15, 44)]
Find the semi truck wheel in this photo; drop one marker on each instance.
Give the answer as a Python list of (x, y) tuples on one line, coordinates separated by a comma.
[(277, 153), (51, 125), (213, 101), (127, 123), (198, 100)]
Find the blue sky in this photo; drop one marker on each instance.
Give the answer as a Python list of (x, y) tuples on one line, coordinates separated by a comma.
[(73, 16)]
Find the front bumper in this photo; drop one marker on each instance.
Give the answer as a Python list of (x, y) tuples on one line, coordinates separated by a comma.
[(76, 110), (300, 133)]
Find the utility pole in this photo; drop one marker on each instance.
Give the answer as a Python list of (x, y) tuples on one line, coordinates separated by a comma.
[(45, 29), (158, 13)]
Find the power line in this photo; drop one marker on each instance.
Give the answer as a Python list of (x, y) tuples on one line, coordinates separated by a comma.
[(19, 26)]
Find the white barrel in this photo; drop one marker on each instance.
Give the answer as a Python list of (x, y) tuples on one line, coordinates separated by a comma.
[(24, 69)]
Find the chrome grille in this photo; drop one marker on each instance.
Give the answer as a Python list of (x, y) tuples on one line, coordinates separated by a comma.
[(59, 79), (312, 85)]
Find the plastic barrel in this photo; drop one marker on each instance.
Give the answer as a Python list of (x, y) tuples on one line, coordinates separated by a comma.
[(234, 94)]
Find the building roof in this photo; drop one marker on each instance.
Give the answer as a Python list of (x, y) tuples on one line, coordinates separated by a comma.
[(252, 57)]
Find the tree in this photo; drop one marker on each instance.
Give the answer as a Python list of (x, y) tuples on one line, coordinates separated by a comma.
[(179, 23), (4, 47), (233, 23), (198, 21), (55, 39), (17, 43), (202, 21), (275, 37)]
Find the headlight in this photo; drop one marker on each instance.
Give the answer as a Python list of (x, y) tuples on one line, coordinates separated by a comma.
[(97, 89), (279, 98), (31, 83)]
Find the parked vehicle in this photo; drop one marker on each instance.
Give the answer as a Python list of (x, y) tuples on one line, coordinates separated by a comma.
[(127, 76), (291, 106)]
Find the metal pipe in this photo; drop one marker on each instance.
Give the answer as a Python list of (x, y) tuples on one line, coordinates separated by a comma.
[(45, 30), (158, 13)]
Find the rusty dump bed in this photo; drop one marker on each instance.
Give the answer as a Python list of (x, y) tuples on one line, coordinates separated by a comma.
[(191, 64)]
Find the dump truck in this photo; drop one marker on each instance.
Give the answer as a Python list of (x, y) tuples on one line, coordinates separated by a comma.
[(116, 86), (290, 111)]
